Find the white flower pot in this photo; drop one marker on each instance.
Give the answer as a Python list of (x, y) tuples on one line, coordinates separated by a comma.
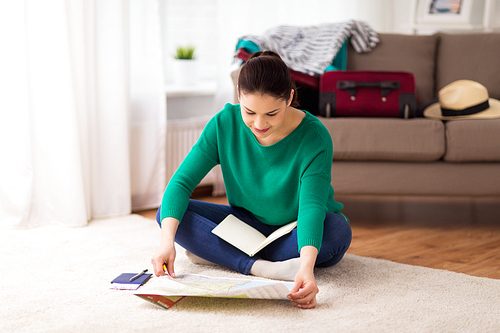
[(186, 72)]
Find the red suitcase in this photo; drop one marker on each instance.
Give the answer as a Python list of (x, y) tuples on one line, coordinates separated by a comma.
[(367, 94)]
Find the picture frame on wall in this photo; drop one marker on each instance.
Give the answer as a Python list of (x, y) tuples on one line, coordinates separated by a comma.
[(450, 11)]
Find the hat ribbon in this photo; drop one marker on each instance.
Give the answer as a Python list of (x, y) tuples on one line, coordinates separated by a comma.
[(467, 111)]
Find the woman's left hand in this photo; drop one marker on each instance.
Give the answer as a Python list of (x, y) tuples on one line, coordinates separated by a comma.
[(305, 289)]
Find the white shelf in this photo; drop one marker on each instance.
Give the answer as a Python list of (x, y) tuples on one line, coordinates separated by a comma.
[(204, 88)]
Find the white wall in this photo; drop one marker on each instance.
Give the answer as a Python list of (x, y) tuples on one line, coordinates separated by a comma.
[(214, 25), (191, 22)]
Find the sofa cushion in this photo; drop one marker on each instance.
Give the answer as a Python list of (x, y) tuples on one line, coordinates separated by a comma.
[(414, 54), (475, 140), (386, 139), (469, 56), (409, 178)]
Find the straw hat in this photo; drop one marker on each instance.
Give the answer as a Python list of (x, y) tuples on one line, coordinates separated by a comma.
[(464, 99)]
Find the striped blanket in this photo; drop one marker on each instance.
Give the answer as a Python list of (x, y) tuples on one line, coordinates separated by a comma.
[(312, 49)]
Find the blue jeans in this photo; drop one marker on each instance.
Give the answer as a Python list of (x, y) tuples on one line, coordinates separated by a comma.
[(195, 235)]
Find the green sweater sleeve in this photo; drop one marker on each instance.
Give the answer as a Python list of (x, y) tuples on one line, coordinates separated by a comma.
[(200, 160), (315, 190)]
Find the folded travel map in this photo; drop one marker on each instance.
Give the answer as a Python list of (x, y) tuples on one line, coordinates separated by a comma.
[(165, 291)]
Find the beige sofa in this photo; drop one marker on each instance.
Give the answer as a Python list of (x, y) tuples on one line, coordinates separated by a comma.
[(421, 156)]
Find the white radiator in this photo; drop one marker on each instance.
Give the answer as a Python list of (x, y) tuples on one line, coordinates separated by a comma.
[(182, 134)]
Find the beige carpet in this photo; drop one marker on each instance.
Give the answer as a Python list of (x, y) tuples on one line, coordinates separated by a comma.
[(56, 279)]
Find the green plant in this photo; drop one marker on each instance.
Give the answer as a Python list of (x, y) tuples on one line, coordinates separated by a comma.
[(186, 52)]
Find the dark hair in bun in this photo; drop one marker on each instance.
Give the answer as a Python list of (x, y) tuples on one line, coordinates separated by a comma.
[(266, 73)]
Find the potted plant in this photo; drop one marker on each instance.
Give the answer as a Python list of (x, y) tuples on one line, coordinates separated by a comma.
[(186, 70), (185, 53)]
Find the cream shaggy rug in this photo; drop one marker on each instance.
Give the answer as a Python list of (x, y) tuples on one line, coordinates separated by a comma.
[(56, 279)]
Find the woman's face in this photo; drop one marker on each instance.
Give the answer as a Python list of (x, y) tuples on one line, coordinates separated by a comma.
[(263, 114)]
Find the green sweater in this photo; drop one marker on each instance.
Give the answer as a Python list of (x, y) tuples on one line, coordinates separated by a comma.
[(287, 181)]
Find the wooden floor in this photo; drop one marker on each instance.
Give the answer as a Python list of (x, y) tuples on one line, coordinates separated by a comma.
[(460, 234)]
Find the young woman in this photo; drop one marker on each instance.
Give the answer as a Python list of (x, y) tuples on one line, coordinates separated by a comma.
[(276, 161)]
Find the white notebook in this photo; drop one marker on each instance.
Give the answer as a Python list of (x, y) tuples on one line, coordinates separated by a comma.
[(246, 238)]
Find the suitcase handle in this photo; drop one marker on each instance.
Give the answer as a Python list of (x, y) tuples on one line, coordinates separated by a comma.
[(385, 86)]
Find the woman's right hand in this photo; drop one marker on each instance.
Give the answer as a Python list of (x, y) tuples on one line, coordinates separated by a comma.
[(165, 255)]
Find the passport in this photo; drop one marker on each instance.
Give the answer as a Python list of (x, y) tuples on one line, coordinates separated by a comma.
[(122, 281)]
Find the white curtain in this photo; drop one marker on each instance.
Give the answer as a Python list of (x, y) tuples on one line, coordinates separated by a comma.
[(83, 117)]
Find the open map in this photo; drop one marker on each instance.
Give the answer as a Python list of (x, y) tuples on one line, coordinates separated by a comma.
[(165, 291)]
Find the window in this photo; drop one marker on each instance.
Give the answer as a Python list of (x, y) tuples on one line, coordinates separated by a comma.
[(190, 22)]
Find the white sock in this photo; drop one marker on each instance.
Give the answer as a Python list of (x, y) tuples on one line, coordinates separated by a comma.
[(197, 260), (277, 270)]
